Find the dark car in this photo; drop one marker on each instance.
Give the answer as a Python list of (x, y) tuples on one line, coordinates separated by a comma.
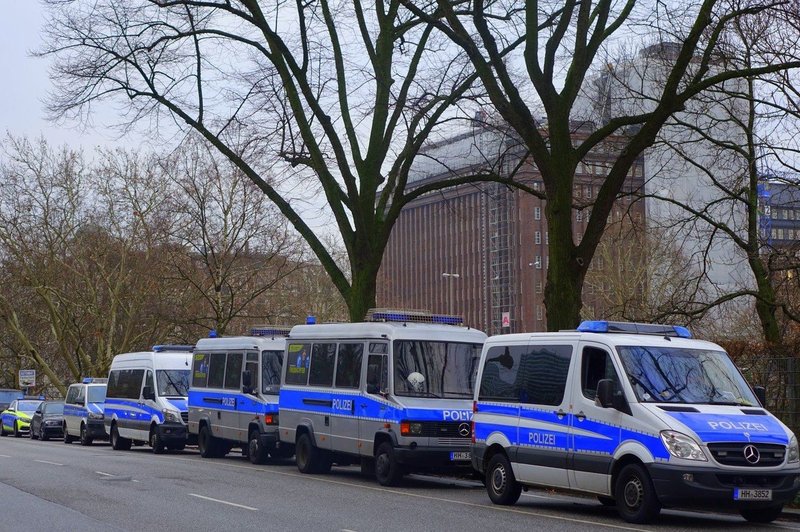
[(47, 421)]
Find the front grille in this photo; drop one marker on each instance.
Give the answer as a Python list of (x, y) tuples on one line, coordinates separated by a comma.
[(185, 417), (454, 442), (733, 454), (447, 430), (750, 481)]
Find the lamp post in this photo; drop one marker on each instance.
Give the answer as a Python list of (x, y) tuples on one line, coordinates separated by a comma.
[(451, 277)]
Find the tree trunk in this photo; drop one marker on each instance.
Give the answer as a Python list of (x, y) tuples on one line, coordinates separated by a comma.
[(363, 289)]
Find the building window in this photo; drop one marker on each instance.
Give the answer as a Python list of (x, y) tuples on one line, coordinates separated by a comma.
[(538, 287), (537, 262), (547, 237), (537, 237), (539, 313), (587, 191), (537, 213), (579, 215)]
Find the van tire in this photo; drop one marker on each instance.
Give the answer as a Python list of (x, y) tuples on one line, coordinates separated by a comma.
[(156, 442), (118, 443), (762, 515), (84, 437), (635, 495), (306, 455), (501, 485), (67, 438), (256, 452), (388, 471), (209, 445)]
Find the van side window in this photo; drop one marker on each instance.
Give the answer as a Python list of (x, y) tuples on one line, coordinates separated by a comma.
[(216, 370), (297, 363), (233, 371), (72, 395), (323, 357), (596, 365), (500, 373), (542, 375), (377, 374), (200, 370), (81, 399), (149, 381), (251, 365), (124, 383), (348, 365)]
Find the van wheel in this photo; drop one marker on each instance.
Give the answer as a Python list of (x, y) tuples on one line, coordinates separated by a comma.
[(118, 443), (156, 442), (255, 450), (501, 485), (208, 445), (388, 471), (67, 438), (635, 495), (309, 458), (85, 439), (762, 515)]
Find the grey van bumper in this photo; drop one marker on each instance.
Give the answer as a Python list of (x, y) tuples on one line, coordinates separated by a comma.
[(430, 457), (716, 487), (96, 429), (171, 433)]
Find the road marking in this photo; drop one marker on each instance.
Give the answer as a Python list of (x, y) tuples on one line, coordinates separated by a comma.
[(224, 502), (46, 462), (495, 508), (4, 456), (104, 474)]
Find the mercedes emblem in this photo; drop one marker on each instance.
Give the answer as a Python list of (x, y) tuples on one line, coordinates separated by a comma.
[(751, 454)]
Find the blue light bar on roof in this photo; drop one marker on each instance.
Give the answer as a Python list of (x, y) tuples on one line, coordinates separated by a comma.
[(172, 347), (602, 326), (415, 316), (270, 331), (94, 380)]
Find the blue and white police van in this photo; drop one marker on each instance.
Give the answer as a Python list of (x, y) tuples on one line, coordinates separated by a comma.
[(146, 398), (393, 393), (83, 411), (233, 398), (640, 415)]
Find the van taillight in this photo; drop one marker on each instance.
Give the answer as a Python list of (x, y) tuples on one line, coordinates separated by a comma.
[(270, 419)]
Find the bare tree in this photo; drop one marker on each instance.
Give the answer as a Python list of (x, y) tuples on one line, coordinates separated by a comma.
[(563, 49), (336, 98)]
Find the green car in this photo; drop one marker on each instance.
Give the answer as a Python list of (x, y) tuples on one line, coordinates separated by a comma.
[(16, 418)]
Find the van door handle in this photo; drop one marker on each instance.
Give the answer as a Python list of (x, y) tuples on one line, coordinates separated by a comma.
[(580, 415), (560, 414)]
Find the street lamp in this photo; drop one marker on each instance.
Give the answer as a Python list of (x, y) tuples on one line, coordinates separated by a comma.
[(451, 277)]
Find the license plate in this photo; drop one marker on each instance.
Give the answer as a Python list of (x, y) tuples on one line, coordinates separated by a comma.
[(742, 494), (460, 455)]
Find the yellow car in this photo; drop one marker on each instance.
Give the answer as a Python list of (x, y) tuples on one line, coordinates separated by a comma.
[(16, 419)]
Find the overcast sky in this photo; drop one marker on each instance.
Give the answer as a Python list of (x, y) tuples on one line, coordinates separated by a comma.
[(24, 83)]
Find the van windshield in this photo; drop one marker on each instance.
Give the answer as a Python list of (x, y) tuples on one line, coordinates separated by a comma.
[(673, 375), (95, 394), (271, 362), (173, 382), (435, 369)]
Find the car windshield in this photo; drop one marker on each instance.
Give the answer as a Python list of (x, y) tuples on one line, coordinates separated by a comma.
[(95, 394), (173, 382), (673, 375), (55, 409), (29, 407), (271, 362), (435, 369)]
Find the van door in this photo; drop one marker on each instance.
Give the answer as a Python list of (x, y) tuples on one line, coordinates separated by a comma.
[(596, 431), (544, 414), (230, 419), (319, 400), (147, 407), (372, 408), (347, 381)]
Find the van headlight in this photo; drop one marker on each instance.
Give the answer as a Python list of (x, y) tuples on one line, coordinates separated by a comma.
[(793, 454), (95, 415), (171, 416), (682, 446)]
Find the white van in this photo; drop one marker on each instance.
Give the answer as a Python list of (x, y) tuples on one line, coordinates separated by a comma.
[(146, 398), (393, 394), (83, 411), (233, 399), (640, 415)]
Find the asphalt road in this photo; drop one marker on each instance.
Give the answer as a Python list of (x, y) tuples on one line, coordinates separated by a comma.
[(57, 487)]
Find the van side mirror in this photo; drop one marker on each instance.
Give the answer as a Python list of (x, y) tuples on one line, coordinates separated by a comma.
[(761, 395), (247, 381), (609, 395), (148, 393)]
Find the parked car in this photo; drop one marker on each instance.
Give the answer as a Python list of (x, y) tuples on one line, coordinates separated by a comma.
[(16, 418), (47, 421)]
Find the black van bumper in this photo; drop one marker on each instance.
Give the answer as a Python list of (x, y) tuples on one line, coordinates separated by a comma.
[(431, 457), (172, 433), (681, 486)]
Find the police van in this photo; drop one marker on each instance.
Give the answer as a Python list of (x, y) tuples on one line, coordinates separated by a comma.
[(83, 411), (233, 398), (146, 398), (393, 393), (640, 415)]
